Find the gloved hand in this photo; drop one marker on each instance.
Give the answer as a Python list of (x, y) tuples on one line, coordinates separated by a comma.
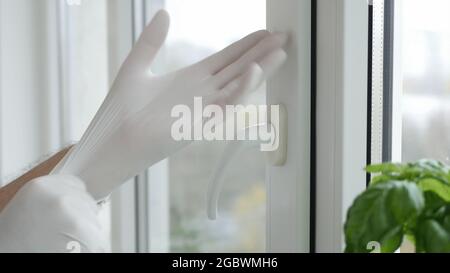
[(132, 129), (51, 214)]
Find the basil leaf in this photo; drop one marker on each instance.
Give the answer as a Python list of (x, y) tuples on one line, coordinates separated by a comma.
[(436, 186), (412, 172), (433, 204), (381, 179), (433, 236), (384, 168), (380, 214)]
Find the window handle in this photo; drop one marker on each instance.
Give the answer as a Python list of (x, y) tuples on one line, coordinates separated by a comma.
[(276, 157)]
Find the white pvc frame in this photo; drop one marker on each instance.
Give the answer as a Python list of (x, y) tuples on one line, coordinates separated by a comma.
[(342, 62), (397, 89), (288, 187)]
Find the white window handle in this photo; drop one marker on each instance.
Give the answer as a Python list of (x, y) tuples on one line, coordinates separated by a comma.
[(277, 157)]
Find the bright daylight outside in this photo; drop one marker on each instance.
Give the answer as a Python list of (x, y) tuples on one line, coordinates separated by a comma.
[(426, 80), (240, 225)]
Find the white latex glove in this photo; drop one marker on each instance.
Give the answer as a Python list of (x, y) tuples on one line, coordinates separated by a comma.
[(51, 214), (132, 129)]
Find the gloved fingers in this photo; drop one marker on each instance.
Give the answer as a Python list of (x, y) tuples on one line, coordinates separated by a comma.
[(230, 54), (256, 54), (272, 62), (149, 43), (262, 70), (255, 75), (237, 88)]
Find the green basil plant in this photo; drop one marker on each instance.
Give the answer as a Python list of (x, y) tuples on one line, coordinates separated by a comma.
[(403, 201)]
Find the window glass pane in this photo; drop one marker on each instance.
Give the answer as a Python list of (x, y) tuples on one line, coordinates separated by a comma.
[(198, 29), (426, 79)]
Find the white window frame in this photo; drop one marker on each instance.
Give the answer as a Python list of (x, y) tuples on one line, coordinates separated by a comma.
[(342, 65), (288, 190), (397, 88), (343, 124)]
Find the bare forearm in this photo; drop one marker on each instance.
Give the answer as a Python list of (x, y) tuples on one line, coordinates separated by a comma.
[(8, 192)]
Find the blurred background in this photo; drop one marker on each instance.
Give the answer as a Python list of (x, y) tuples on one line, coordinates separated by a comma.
[(425, 58), (198, 29)]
